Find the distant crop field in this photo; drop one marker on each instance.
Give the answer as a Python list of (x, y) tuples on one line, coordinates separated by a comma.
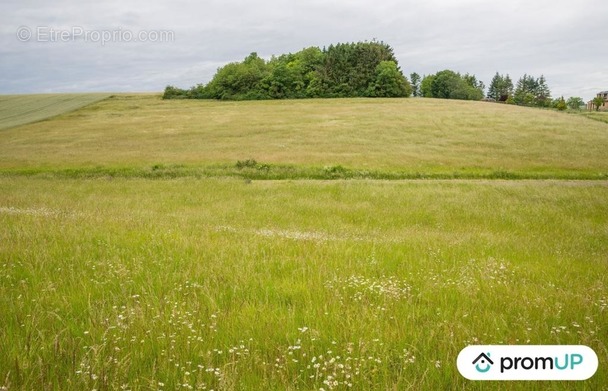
[(17, 110)]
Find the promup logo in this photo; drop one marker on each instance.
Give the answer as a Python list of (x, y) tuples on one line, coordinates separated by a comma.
[(483, 363), (527, 362)]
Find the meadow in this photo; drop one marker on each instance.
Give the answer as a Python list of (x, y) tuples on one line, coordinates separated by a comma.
[(378, 138), (114, 278)]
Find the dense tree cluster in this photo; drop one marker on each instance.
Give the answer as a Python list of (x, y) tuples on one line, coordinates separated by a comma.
[(448, 84), (367, 69), (501, 88), (531, 91), (363, 69)]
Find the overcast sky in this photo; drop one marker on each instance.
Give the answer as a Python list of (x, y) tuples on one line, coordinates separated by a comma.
[(56, 46)]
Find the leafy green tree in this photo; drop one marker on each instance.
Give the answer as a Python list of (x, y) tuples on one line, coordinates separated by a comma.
[(444, 84), (285, 78), (317, 87), (575, 103), (448, 84), (389, 82), (598, 101), (425, 86), (237, 81), (474, 88), (349, 69), (415, 82), (560, 104), (290, 75), (199, 91), (529, 99)]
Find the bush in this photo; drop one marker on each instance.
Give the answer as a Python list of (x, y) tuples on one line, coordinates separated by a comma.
[(175, 93), (448, 84), (560, 104), (249, 163)]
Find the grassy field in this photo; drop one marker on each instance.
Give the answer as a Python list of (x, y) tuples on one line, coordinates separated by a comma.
[(601, 116), (114, 278), (378, 138), (18, 110)]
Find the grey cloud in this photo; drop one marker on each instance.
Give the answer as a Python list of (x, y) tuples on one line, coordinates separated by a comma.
[(555, 38)]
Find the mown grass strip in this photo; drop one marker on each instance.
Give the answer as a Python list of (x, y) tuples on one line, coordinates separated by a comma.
[(601, 116)]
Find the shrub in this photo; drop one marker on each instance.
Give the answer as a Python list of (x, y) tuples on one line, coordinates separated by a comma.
[(249, 163)]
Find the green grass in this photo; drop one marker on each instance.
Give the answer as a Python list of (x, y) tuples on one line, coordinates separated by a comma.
[(263, 171), (229, 285), (290, 245), (399, 137), (601, 116), (18, 110)]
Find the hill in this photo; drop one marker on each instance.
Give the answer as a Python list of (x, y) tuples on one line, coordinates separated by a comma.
[(377, 138), (17, 110)]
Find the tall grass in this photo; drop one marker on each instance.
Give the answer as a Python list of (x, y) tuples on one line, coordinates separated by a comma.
[(223, 284)]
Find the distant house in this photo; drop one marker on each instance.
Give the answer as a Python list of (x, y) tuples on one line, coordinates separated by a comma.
[(604, 107)]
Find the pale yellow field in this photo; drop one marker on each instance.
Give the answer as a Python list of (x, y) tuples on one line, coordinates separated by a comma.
[(413, 135)]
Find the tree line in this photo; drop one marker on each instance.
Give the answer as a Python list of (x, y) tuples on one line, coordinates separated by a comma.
[(362, 69), (529, 91)]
